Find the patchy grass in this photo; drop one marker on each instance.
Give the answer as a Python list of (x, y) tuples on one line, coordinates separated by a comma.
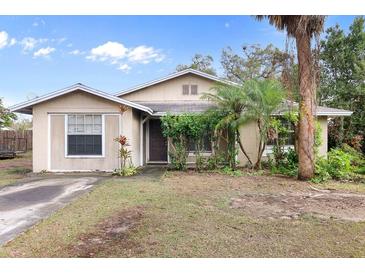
[(12, 170), (188, 215)]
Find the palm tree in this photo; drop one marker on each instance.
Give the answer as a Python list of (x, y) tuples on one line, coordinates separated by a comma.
[(231, 102), (303, 28), (264, 97)]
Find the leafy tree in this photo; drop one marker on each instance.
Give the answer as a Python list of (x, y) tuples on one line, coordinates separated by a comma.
[(21, 124), (303, 28), (254, 63), (343, 80), (6, 117), (264, 97), (201, 63), (231, 102)]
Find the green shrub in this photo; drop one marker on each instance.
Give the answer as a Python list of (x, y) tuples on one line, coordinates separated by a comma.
[(231, 172), (339, 164), (200, 163), (288, 164), (178, 157), (215, 161), (126, 171), (321, 171)]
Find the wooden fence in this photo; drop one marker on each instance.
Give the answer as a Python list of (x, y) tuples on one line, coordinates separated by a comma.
[(16, 140)]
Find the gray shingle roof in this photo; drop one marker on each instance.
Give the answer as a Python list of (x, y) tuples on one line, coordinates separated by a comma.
[(176, 107)]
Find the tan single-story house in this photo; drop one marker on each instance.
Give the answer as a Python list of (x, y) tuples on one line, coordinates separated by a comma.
[(74, 128)]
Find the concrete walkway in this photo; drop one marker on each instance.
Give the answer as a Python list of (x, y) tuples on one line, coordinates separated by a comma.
[(23, 205)]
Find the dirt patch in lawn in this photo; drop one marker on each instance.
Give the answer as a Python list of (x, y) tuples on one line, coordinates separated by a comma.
[(110, 234), (345, 206)]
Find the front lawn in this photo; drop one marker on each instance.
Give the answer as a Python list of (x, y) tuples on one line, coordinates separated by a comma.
[(15, 169), (202, 215)]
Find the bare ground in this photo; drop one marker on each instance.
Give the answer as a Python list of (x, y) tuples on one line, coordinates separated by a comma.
[(111, 233), (187, 214)]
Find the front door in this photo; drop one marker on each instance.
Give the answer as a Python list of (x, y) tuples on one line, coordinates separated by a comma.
[(157, 142)]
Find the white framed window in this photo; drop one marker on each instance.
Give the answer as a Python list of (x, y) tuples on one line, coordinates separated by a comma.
[(84, 135), (190, 89)]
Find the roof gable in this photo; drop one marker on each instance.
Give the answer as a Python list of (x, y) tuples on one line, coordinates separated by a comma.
[(26, 107), (172, 76)]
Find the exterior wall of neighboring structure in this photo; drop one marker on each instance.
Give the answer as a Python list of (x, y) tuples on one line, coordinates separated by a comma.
[(49, 132), (171, 90)]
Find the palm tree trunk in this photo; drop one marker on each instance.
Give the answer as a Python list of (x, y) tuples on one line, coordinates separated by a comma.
[(306, 107)]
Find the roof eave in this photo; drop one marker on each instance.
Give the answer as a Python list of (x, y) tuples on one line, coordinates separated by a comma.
[(21, 108)]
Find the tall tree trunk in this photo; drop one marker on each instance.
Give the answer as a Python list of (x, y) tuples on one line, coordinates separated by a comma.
[(306, 108)]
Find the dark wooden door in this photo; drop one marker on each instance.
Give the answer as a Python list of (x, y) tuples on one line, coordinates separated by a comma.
[(158, 143)]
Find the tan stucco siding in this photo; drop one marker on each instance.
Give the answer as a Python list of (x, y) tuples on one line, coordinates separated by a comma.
[(249, 134), (250, 140), (171, 90), (322, 150), (76, 102), (59, 161)]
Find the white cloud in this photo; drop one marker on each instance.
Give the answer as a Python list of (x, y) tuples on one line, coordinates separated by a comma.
[(38, 22), (43, 52), (59, 40), (3, 39), (116, 53), (29, 43), (12, 42), (124, 67), (76, 52), (110, 51), (143, 54)]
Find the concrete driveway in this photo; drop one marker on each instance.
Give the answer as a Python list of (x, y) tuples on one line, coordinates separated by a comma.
[(23, 205)]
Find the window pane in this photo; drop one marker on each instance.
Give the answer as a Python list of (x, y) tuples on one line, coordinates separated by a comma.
[(72, 128), (192, 146), (88, 129), (80, 128), (88, 119), (80, 119), (207, 143), (71, 119), (185, 90), (84, 145), (97, 129), (194, 90), (97, 119)]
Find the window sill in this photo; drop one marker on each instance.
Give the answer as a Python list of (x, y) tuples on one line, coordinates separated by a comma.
[(269, 149), (84, 156), (201, 154)]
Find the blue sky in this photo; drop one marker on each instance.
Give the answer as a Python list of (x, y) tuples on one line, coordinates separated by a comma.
[(40, 54)]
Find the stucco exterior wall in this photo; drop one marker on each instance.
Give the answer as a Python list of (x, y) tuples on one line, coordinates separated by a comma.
[(249, 135), (48, 156), (59, 161), (250, 139), (171, 90), (322, 150)]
